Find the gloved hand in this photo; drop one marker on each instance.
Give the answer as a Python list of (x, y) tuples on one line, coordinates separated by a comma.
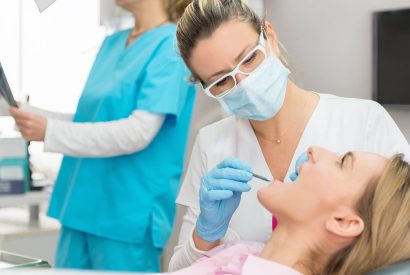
[(302, 159), (219, 196)]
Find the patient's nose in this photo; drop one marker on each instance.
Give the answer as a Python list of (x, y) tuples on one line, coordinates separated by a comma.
[(316, 153), (311, 152)]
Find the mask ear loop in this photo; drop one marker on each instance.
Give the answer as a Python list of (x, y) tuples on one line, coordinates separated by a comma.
[(278, 53), (266, 37)]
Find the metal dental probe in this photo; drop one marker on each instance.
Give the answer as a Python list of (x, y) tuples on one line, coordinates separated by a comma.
[(260, 177)]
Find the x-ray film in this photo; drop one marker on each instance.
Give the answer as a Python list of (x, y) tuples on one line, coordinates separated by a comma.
[(5, 91)]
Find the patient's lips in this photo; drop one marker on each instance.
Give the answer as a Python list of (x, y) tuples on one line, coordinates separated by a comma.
[(300, 168)]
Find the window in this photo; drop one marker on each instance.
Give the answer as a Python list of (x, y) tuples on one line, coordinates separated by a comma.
[(48, 55)]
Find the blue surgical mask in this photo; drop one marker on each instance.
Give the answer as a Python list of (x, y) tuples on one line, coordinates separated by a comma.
[(259, 96)]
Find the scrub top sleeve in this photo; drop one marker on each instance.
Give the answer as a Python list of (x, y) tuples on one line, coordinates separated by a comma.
[(189, 192), (164, 87), (383, 135)]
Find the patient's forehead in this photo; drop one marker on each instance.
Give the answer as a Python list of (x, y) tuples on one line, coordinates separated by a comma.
[(368, 166), (370, 160)]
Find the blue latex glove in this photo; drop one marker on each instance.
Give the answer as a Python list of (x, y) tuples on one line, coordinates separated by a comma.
[(219, 197), (302, 159)]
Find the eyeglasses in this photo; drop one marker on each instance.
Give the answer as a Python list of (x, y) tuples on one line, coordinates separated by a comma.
[(248, 65)]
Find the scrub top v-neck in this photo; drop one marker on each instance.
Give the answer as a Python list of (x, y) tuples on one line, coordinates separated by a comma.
[(122, 197)]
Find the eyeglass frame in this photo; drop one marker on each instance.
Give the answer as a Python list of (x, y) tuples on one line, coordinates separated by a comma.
[(260, 46)]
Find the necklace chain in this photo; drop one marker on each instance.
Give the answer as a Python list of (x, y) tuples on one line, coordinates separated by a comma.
[(259, 135), (274, 140)]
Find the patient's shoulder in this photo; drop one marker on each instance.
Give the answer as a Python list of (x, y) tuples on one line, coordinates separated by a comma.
[(240, 257), (230, 255), (236, 248)]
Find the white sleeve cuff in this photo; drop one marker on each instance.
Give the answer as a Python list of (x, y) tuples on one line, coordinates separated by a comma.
[(49, 139), (195, 252)]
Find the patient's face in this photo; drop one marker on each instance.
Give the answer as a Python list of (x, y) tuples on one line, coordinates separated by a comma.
[(327, 181)]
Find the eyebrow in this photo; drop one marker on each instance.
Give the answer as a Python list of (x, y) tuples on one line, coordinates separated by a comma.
[(237, 60), (349, 155)]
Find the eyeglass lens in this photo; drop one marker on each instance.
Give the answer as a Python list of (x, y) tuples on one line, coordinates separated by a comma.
[(248, 65)]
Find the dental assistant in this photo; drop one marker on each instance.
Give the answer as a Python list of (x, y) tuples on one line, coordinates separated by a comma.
[(124, 147), (235, 56)]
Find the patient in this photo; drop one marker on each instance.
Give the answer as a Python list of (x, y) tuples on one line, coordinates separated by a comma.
[(343, 215)]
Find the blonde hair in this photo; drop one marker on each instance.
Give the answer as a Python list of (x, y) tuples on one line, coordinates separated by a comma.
[(203, 17), (175, 8), (385, 210)]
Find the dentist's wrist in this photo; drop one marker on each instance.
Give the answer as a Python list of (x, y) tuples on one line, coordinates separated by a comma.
[(210, 233), (202, 244)]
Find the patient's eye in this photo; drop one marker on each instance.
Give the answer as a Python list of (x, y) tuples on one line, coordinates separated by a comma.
[(342, 161)]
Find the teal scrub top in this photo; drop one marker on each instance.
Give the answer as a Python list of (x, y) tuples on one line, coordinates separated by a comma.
[(122, 197)]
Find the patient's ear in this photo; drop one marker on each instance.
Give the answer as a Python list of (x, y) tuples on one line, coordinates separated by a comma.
[(345, 223)]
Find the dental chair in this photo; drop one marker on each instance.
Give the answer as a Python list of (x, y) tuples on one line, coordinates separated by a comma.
[(402, 268)]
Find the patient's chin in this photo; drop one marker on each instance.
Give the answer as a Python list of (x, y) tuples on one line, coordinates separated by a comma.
[(262, 194), (265, 196)]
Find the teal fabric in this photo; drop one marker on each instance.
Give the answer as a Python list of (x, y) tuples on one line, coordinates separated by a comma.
[(78, 250), (120, 198)]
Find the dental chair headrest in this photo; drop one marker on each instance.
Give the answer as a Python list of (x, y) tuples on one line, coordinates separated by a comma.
[(402, 268)]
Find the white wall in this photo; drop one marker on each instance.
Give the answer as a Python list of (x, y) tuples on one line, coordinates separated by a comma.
[(58, 48), (329, 45), (10, 40)]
